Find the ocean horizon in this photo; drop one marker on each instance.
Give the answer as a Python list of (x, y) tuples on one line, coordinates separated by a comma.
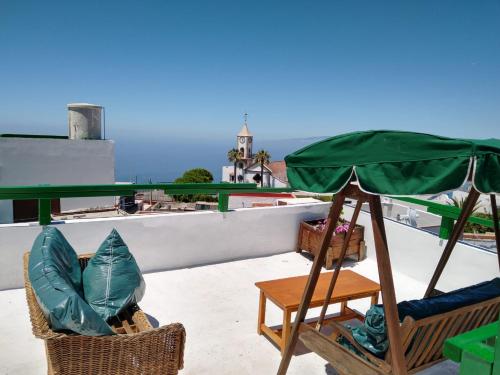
[(156, 160)]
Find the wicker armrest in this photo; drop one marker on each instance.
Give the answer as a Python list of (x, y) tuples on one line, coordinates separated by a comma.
[(156, 351), (347, 334)]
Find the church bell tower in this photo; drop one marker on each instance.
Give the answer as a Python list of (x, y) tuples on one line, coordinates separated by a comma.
[(244, 142)]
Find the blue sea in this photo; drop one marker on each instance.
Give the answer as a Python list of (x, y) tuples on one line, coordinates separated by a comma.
[(163, 160)]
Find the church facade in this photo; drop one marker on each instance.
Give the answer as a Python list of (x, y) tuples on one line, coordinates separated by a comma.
[(247, 170)]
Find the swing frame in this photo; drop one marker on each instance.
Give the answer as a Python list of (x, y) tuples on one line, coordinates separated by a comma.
[(396, 361)]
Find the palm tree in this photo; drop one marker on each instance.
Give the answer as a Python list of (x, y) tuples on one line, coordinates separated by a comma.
[(469, 227), (262, 157), (234, 156), (459, 203)]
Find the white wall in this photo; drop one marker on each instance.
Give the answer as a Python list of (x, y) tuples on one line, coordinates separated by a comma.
[(416, 253), (241, 201), (276, 183), (226, 172), (31, 161), (170, 241)]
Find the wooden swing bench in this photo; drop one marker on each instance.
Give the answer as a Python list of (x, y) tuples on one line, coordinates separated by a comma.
[(422, 340), (363, 166)]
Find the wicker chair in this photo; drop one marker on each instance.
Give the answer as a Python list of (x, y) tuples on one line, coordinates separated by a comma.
[(138, 348)]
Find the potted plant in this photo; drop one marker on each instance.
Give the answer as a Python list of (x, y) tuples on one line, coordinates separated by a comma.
[(311, 236)]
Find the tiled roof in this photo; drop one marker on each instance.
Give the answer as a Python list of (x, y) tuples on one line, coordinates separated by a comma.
[(278, 169)]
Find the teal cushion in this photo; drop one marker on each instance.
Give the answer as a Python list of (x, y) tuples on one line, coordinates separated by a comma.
[(372, 335), (56, 279), (112, 280)]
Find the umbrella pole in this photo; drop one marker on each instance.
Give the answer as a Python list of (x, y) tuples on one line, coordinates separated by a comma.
[(387, 287), (494, 211), (457, 231), (333, 217), (338, 264)]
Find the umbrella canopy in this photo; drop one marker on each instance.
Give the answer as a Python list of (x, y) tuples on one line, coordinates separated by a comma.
[(395, 163)]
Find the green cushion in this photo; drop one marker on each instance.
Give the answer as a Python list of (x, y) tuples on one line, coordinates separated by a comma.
[(112, 280), (56, 279), (372, 335)]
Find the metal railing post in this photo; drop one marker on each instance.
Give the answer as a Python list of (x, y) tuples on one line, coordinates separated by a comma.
[(44, 208), (223, 202), (446, 227)]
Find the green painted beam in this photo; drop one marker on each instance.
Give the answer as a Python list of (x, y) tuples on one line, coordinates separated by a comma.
[(454, 347), (471, 364), (44, 193), (38, 136), (223, 202), (496, 360), (44, 211), (55, 195), (122, 187), (445, 211), (77, 191), (446, 227)]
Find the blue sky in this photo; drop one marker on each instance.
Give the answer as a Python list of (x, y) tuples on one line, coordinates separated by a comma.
[(187, 70)]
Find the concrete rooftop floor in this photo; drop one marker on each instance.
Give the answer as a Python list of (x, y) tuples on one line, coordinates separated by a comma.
[(218, 306)]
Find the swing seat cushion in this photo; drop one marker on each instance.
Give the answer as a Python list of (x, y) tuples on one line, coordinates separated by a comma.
[(372, 335), (423, 308)]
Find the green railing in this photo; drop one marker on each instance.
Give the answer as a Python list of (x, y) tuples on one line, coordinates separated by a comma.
[(45, 193), (448, 215)]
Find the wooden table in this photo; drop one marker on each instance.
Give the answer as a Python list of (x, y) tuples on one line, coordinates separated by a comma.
[(287, 294)]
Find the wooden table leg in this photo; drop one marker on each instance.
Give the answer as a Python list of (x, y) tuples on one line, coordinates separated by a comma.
[(262, 312), (374, 300), (287, 329)]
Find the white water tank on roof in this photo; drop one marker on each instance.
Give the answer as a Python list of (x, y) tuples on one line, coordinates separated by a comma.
[(84, 121)]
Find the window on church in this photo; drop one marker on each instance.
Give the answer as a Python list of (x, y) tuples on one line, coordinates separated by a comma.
[(257, 178), (240, 165), (240, 178), (242, 151)]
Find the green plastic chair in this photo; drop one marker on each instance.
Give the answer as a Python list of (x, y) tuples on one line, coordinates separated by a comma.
[(477, 351)]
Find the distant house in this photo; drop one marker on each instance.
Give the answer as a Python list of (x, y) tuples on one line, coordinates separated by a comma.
[(247, 170)]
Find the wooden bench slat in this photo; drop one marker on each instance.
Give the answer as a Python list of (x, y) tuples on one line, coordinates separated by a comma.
[(452, 323), (344, 360), (432, 343), (421, 337)]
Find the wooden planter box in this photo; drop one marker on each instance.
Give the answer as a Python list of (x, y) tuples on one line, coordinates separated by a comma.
[(310, 240)]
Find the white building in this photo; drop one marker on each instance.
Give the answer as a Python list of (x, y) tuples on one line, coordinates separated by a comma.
[(273, 174), (36, 160)]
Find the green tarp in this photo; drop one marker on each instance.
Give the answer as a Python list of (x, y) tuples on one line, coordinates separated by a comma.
[(395, 163)]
